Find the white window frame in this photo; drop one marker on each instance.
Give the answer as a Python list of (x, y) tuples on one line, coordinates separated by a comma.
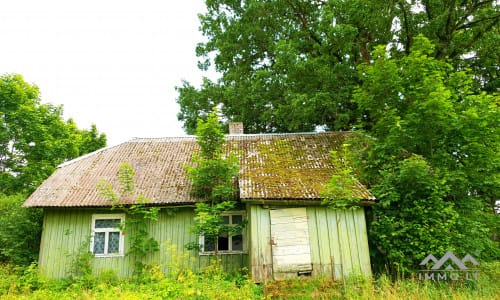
[(230, 251), (107, 231)]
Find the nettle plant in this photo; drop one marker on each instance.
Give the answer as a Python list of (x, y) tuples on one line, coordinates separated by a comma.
[(212, 173), (139, 215)]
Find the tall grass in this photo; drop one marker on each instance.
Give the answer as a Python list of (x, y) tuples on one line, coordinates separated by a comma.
[(212, 283)]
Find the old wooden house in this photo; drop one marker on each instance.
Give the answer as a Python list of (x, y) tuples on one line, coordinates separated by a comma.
[(288, 231)]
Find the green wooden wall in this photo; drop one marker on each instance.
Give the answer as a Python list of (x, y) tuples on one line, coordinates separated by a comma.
[(66, 232), (338, 240)]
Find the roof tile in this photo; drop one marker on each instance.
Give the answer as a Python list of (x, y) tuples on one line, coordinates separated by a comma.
[(272, 166)]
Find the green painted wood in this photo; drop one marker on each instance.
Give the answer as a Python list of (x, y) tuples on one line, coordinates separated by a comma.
[(66, 231), (339, 245), (313, 235), (362, 242), (335, 246), (320, 242), (63, 235), (355, 267), (260, 246)]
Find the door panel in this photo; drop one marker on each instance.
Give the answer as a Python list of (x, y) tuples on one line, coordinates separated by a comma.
[(290, 242)]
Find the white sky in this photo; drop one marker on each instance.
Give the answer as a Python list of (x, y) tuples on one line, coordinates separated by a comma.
[(114, 63)]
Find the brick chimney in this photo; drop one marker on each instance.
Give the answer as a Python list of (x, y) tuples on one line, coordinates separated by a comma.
[(236, 128)]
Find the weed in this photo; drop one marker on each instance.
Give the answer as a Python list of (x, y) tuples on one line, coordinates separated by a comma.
[(211, 283)]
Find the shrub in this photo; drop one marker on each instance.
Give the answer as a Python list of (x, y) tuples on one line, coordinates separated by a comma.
[(20, 231)]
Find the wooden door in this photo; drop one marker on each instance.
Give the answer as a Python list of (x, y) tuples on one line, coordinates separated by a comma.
[(290, 246)]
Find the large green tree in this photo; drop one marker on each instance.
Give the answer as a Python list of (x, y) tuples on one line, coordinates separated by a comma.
[(34, 137), (433, 159), (290, 65)]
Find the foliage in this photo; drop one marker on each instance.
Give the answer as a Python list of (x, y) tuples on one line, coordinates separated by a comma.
[(288, 66), (81, 264), (339, 192), (209, 222), (138, 216), (20, 231), (26, 284), (412, 218), (213, 171), (433, 153), (34, 138), (213, 177)]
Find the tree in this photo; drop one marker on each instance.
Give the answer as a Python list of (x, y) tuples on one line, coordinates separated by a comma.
[(290, 65), (212, 174), (34, 138), (139, 214), (434, 152), (20, 231)]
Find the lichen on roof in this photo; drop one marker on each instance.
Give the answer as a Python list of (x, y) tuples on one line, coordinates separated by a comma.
[(272, 166)]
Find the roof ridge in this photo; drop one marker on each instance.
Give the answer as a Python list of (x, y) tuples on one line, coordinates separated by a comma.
[(141, 139), (71, 161)]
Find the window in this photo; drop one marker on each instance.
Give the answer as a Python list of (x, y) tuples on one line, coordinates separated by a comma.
[(227, 242), (107, 238)]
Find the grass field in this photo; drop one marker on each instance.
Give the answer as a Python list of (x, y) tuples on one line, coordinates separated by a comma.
[(25, 283)]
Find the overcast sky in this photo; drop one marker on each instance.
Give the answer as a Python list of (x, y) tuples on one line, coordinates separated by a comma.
[(114, 63)]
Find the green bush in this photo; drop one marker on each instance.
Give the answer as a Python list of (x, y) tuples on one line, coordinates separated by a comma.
[(26, 283), (20, 231)]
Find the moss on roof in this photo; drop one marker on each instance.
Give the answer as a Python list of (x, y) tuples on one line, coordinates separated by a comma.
[(272, 166)]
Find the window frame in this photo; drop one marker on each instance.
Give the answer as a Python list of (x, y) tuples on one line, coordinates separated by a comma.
[(121, 241), (230, 214)]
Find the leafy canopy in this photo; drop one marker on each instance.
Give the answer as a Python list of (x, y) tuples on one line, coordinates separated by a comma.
[(289, 66), (432, 159), (34, 137), (213, 170)]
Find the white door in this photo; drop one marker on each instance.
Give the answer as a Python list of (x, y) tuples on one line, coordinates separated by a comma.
[(290, 242)]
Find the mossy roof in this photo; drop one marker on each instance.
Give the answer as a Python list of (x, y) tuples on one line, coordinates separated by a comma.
[(278, 167)]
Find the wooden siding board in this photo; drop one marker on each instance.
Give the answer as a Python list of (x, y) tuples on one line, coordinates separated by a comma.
[(351, 224), (67, 229), (333, 234), (345, 244), (260, 247), (337, 237), (41, 253), (321, 243), (314, 240), (362, 242)]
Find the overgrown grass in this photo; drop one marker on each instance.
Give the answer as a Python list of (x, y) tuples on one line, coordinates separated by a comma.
[(26, 283)]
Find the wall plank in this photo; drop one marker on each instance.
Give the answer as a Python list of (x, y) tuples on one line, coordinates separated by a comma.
[(66, 231)]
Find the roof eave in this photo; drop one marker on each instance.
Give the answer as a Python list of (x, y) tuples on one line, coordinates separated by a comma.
[(302, 202)]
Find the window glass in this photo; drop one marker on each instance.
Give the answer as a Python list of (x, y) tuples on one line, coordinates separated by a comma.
[(237, 219), (99, 242), (209, 245), (107, 223), (237, 242), (223, 244), (227, 242), (107, 238), (114, 242)]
